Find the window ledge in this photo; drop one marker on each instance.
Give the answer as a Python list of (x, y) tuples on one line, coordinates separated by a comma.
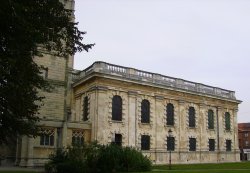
[(213, 130), (44, 146), (194, 128)]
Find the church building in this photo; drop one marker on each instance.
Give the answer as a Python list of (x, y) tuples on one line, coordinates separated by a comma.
[(154, 113)]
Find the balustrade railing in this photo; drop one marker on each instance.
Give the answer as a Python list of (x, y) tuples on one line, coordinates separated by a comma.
[(131, 73)]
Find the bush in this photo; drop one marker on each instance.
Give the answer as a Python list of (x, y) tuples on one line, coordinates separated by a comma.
[(117, 159), (95, 158), (67, 160)]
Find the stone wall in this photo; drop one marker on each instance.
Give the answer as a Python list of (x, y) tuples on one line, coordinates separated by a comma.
[(101, 91)]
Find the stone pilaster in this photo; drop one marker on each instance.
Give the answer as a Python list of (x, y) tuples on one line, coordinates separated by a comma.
[(202, 127), (220, 129), (159, 126), (183, 126), (30, 154), (101, 116), (132, 119), (236, 142), (65, 134), (24, 148)]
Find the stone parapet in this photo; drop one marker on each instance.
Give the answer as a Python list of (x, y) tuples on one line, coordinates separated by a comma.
[(151, 78)]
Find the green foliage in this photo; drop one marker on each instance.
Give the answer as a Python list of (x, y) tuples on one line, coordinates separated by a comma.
[(94, 158), (28, 29)]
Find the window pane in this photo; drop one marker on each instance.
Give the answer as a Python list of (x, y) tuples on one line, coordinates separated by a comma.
[(85, 108), (47, 137), (51, 140), (170, 114), (118, 139), (211, 145), (145, 111), (145, 142), (42, 140), (170, 143), (210, 119), (191, 115), (46, 140), (77, 137), (227, 121), (117, 108), (192, 144), (228, 145)]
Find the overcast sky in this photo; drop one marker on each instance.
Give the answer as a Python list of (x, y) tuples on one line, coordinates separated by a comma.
[(204, 41)]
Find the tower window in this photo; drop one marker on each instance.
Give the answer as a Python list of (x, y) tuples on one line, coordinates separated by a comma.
[(47, 137), (77, 137)]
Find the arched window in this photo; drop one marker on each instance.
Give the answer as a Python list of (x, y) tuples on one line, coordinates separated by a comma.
[(145, 111), (191, 116), (170, 114), (117, 108), (227, 121), (85, 108), (210, 119)]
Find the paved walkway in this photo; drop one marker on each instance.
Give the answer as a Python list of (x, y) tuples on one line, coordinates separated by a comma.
[(16, 168)]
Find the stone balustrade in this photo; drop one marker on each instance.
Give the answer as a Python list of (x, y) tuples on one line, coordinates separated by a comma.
[(139, 75)]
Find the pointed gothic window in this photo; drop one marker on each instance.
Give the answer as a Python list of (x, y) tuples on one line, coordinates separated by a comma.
[(117, 108), (77, 137), (145, 111), (191, 116), (85, 108), (227, 121), (210, 119), (47, 137), (170, 114)]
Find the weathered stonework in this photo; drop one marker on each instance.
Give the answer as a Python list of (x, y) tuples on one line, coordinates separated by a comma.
[(63, 112), (102, 81)]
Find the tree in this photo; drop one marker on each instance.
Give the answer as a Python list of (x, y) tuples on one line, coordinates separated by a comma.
[(28, 28)]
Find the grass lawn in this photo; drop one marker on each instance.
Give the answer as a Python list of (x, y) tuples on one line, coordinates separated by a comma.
[(242, 167)]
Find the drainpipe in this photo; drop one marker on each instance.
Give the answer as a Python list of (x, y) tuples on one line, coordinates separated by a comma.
[(218, 134)]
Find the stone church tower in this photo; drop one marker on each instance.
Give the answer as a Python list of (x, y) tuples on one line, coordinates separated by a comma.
[(54, 113)]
